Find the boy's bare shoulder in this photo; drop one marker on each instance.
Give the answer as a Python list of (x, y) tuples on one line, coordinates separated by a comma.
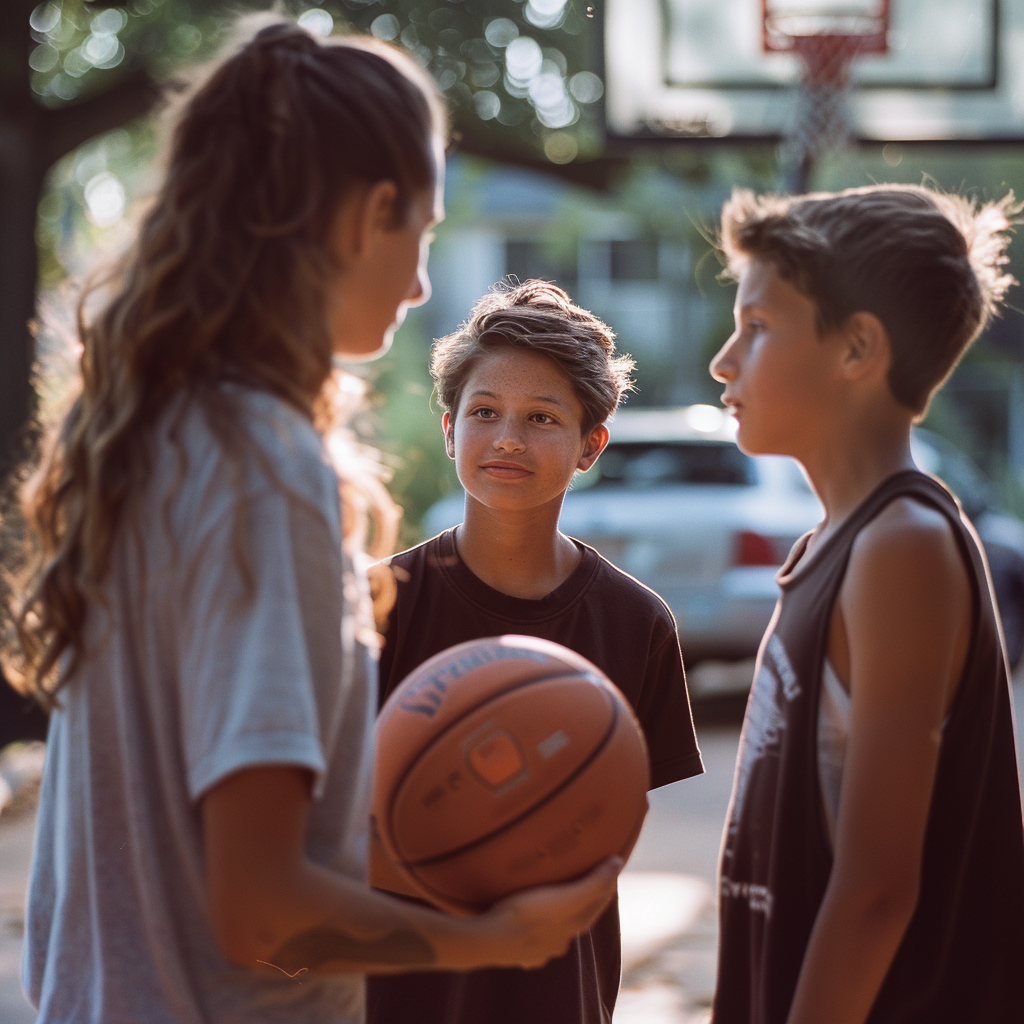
[(909, 554), (906, 531)]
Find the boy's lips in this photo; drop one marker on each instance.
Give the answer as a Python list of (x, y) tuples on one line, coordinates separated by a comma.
[(506, 470)]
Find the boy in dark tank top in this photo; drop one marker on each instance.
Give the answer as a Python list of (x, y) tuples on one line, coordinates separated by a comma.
[(527, 384), (873, 858)]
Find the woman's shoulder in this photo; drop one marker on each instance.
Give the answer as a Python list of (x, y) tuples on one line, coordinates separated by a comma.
[(292, 449), (238, 443)]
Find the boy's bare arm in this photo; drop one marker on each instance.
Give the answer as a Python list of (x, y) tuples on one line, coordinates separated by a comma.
[(270, 906), (905, 619)]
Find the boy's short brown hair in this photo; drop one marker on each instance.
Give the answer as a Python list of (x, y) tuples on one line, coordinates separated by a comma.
[(540, 317), (927, 264)]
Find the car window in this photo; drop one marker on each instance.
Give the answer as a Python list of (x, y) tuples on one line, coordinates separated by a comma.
[(654, 464)]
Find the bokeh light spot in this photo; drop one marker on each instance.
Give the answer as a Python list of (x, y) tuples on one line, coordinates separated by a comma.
[(385, 27), (44, 57), (586, 87), (523, 59), (500, 32), (105, 199), (317, 21), (560, 148), (45, 18), (487, 104)]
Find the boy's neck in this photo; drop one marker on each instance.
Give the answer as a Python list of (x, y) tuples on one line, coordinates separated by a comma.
[(521, 554), (848, 462)]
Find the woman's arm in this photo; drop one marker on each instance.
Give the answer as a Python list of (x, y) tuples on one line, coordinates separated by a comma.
[(905, 616), (270, 906)]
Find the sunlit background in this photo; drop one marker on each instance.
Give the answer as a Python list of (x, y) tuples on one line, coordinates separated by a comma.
[(538, 186), (534, 190)]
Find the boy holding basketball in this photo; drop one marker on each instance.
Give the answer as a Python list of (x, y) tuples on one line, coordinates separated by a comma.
[(527, 384), (873, 859)]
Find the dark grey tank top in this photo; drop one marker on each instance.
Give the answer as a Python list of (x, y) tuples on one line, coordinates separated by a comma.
[(962, 957)]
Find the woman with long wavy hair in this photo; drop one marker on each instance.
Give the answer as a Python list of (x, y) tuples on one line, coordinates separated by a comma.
[(194, 605)]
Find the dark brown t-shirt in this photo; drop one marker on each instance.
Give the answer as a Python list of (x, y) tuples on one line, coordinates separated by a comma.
[(628, 632)]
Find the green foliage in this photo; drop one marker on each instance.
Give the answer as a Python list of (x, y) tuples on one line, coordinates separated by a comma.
[(519, 90), (519, 74), (81, 47), (407, 427)]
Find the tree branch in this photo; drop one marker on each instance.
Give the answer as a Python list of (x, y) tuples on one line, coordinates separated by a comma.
[(133, 95), (599, 174)]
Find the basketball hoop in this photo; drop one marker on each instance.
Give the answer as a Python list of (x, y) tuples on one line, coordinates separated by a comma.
[(827, 39)]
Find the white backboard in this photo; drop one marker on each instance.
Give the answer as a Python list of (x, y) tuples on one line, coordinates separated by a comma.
[(695, 68)]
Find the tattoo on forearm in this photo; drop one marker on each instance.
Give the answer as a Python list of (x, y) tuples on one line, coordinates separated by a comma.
[(320, 946)]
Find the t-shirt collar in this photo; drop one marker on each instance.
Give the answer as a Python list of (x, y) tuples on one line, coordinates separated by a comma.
[(504, 605)]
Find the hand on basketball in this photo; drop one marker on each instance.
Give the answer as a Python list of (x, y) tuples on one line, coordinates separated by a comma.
[(534, 926)]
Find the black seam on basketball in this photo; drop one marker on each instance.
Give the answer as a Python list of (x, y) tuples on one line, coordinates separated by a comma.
[(396, 789), (412, 865)]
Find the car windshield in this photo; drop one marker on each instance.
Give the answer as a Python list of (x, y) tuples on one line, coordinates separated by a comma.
[(654, 464)]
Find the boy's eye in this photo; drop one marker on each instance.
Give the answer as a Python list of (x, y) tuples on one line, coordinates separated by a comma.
[(484, 413), (542, 418)]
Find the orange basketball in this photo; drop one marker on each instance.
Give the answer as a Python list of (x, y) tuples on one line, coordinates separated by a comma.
[(505, 763)]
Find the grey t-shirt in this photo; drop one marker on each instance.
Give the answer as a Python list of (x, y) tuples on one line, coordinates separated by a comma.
[(190, 675)]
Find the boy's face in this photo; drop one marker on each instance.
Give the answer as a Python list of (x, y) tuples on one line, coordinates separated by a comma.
[(516, 435), (780, 372)]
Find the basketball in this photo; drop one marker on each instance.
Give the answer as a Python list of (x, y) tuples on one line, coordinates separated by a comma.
[(504, 763)]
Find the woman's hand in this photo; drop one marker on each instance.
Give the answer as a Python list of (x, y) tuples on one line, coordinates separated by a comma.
[(532, 927), (270, 906)]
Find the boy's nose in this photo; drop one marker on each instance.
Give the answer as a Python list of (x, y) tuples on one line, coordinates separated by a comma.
[(510, 440), (723, 366)]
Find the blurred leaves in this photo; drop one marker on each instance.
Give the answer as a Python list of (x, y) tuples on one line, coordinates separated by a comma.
[(519, 75)]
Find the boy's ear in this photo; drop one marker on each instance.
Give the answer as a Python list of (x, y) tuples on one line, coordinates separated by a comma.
[(866, 349), (449, 435), (596, 441)]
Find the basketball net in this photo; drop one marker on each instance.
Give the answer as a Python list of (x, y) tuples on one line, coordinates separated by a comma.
[(827, 42)]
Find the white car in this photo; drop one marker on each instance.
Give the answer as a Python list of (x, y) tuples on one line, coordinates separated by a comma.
[(675, 503)]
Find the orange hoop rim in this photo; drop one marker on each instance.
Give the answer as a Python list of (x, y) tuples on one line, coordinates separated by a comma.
[(836, 31)]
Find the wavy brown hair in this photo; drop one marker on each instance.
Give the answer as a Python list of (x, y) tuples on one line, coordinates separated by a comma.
[(540, 317), (226, 281)]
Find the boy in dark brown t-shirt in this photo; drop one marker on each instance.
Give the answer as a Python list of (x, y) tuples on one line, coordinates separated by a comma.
[(527, 384)]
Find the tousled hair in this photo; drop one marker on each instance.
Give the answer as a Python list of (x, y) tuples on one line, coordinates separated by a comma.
[(540, 317), (929, 265), (226, 281)]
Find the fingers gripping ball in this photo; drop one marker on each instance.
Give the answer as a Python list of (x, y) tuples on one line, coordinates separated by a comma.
[(505, 763)]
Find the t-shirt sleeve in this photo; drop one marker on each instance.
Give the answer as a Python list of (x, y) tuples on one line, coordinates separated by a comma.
[(664, 713), (260, 639)]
